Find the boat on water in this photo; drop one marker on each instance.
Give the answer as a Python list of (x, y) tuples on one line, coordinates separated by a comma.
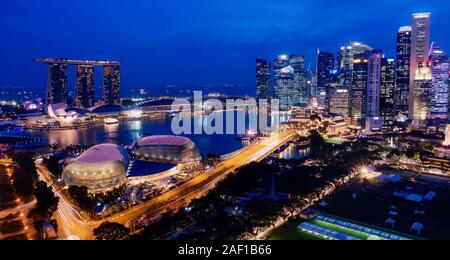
[(111, 121)]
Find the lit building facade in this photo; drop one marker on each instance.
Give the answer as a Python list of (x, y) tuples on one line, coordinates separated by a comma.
[(403, 69), (359, 89), (422, 95), (100, 168), (325, 67), (372, 103), (290, 85), (57, 88), (420, 48), (262, 79), (286, 87), (85, 86), (111, 84), (440, 67), (300, 91), (387, 100), (339, 101), (311, 83), (345, 67), (281, 62)]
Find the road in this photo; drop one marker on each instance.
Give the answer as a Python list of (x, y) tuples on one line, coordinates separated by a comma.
[(20, 208), (72, 224)]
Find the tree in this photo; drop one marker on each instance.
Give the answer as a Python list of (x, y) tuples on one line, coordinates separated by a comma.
[(53, 166), (47, 202), (25, 174), (317, 142), (112, 231), (81, 196)]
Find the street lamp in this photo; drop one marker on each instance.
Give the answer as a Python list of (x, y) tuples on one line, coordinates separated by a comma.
[(364, 170)]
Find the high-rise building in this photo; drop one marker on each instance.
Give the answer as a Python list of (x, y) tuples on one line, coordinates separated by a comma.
[(358, 91), (262, 79), (278, 64), (372, 104), (289, 76), (422, 95), (347, 54), (440, 67), (85, 86), (311, 83), (387, 101), (339, 98), (57, 84), (286, 87), (401, 94), (325, 68), (300, 92), (359, 47), (345, 67), (111, 84), (420, 48)]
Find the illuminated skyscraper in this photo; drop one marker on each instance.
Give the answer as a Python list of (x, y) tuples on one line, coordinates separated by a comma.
[(345, 67), (111, 84), (325, 68), (440, 67), (289, 77), (359, 89), (300, 92), (401, 94), (85, 86), (262, 79), (286, 87), (311, 83), (387, 100), (339, 99), (372, 104), (422, 95), (278, 64), (57, 83), (420, 48)]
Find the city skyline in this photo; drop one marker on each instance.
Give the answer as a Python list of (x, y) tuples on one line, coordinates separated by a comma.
[(196, 120), (205, 64)]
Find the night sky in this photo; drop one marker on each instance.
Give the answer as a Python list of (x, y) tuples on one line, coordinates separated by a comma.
[(195, 42)]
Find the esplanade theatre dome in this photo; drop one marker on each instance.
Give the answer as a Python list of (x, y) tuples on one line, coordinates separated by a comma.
[(101, 167), (166, 148)]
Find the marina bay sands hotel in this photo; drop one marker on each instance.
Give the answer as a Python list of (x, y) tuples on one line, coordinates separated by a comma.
[(57, 86)]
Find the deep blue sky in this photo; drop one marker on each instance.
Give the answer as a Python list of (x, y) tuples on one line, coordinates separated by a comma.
[(195, 42)]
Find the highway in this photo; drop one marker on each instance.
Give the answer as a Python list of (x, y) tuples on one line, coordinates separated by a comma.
[(71, 223)]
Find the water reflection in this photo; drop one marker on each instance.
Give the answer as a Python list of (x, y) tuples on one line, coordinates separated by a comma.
[(293, 152)]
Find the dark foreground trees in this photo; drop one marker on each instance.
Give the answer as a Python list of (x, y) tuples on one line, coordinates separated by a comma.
[(112, 231), (25, 175)]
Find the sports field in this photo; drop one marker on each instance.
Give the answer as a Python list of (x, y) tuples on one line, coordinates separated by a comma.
[(326, 227)]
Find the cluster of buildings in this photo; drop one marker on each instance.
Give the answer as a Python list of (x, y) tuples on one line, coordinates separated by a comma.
[(106, 166), (57, 86), (370, 90)]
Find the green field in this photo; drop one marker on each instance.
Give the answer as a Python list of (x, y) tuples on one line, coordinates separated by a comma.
[(290, 231), (349, 231)]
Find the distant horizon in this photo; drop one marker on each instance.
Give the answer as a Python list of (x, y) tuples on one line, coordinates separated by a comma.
[(186, 44)]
